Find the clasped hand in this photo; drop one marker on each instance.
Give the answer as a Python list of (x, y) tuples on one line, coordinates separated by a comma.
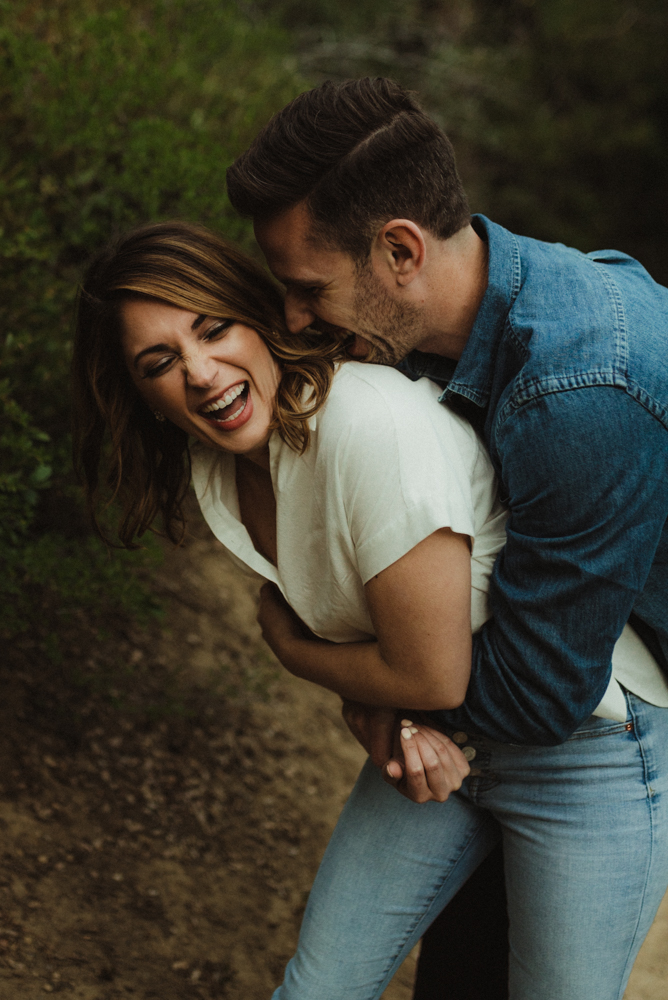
[(419, 761)]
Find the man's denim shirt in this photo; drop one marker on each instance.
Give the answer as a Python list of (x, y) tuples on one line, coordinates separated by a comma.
[(565, 375)]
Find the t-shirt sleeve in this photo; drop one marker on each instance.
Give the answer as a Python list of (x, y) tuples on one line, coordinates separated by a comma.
[(404, 466)]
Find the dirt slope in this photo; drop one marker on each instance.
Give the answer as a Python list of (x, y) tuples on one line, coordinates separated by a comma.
[(166, 796)]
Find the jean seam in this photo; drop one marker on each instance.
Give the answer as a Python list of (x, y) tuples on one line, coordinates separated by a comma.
[(592, 734), (383, 979), (646, 775)]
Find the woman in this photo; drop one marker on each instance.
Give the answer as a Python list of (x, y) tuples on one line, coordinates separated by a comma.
[(242, 382), (372, 509)]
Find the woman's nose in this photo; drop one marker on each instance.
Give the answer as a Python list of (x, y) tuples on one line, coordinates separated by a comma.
[(201, 371), (297, 314)]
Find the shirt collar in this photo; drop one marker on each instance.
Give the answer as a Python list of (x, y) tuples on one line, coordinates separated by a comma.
[(472, 375)]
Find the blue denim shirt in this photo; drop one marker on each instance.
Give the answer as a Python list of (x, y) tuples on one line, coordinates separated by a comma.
[(565, 374)]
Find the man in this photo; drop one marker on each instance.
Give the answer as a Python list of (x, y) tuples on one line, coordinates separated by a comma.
[(559, 359)]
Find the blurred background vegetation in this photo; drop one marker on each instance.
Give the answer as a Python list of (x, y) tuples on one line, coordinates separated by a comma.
[(115, 113)]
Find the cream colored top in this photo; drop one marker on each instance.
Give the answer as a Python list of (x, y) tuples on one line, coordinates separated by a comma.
[(387, 466)]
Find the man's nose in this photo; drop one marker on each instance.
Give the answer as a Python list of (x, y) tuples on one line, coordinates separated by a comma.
[(297, 314)]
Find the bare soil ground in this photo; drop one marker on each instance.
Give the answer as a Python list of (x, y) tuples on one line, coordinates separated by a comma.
[(167, 793)]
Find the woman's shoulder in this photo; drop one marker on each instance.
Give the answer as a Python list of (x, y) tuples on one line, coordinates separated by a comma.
[(382, 399), (378, 381), (375, 392), (387, 414)]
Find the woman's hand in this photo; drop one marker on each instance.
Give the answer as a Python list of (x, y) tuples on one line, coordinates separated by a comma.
[(433, 766), (420, 762), (281, 627)]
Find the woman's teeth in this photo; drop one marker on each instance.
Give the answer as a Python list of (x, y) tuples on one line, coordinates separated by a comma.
[(219, 410), (227, 399)]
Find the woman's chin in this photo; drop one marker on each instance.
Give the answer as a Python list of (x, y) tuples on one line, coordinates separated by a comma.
[(245, 438)]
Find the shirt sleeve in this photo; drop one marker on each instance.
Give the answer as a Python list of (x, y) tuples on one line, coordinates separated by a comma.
[(586, 476), (403, 466)]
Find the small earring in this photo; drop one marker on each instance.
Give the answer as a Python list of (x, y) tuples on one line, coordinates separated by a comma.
[(159, 416)]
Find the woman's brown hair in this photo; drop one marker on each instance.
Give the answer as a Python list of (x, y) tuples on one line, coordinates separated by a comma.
[(148, 463)]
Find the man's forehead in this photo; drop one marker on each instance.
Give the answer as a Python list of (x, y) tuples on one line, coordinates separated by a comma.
[(289, 228), (291, 253)]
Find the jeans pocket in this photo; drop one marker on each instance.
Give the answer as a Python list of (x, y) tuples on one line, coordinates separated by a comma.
[(594, 727)]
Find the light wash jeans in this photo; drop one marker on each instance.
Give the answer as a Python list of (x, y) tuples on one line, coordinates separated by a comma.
[(585, 835)]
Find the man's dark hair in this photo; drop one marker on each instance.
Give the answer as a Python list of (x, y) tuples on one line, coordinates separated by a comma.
[(361, 153)]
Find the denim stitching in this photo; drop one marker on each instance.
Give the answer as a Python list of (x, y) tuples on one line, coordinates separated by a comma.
[(621, 337), (517, 269), (533, 389), (629, 699), (591, 734), (652, 405), (439, 885)]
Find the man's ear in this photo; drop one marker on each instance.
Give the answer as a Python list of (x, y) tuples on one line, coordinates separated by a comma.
[(400, 246)]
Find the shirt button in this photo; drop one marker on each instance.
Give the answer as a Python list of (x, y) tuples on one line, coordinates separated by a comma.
[(469, 752), (459, 737)]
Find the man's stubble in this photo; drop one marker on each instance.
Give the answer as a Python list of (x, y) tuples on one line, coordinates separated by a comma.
[(392, 328)]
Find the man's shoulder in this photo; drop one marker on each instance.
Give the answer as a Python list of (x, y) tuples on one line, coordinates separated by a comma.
[(586, 288), (562, 290), (554, 287), (584, 319)]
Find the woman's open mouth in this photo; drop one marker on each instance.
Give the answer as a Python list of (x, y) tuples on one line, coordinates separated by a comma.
[(232, 409)]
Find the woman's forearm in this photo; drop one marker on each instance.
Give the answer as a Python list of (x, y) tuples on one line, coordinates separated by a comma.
[(358, 672)]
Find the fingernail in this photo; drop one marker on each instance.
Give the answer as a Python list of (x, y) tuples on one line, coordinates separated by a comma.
[(406, 733), (413, 729), (406, 722)]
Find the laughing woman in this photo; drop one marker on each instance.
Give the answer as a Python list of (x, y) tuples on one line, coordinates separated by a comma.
[(372, 511)]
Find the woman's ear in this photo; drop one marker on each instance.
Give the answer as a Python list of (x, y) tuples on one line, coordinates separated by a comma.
[(400, 247)]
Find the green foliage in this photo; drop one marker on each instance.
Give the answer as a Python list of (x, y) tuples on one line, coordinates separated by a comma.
[(53, 575), (24, 468), (110, 115)]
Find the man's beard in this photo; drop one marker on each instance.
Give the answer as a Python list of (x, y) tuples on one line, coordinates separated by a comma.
[(392, 328)]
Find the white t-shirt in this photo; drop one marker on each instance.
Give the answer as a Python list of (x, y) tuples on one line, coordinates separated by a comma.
[(387, 465)]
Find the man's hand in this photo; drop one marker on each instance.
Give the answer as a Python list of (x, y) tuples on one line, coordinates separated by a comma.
[(374, 728)]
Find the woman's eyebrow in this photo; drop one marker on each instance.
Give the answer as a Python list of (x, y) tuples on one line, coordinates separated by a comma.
[(156, 349)]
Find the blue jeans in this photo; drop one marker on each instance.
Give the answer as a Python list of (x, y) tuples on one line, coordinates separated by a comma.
[(585, 835)]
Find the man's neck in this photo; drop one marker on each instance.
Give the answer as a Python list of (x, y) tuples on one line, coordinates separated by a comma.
[(454, 290)]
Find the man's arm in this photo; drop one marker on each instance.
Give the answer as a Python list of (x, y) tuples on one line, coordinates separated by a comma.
[(586, 474)]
